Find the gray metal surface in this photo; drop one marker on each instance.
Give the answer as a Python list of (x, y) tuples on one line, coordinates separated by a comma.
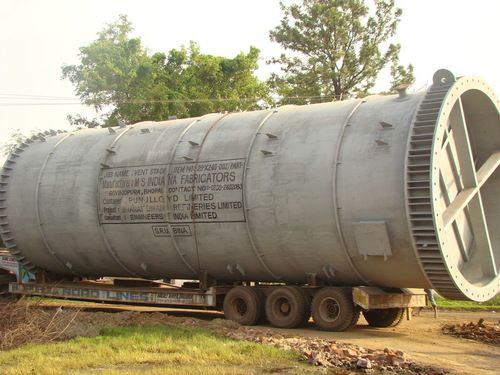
[(109, 293), (274, 195)]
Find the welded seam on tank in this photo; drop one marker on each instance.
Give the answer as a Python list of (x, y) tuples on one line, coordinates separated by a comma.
[(253, 245), (192, 195), (160, 138), (167, 207), (336, 207), (37, 206), (102, 231)]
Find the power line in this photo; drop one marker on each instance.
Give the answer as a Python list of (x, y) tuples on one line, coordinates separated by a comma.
[(36, 104), (34, 96), (165, 101)]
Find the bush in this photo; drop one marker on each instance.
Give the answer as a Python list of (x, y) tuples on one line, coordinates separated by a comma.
[(24, 322)]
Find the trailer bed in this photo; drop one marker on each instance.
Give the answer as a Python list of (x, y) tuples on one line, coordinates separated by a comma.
[(102, 292)]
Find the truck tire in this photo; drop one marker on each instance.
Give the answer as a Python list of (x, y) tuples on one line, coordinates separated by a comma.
[(286, 307), (307, 300), (244, 305), (355, 318), (333, 309), (383, 318)]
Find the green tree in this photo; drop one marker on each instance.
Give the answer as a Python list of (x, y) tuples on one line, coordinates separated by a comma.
[(335, 49), (194, 83), (113, 69), (116, 72), (15, 138), (227, 84)]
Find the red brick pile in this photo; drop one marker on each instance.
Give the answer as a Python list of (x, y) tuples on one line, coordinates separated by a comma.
[(332, 353), (481, 331)]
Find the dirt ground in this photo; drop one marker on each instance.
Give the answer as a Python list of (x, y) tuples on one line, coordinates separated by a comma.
[(421, 338)]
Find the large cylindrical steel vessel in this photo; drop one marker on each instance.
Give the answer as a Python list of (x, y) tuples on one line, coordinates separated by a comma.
[(392, 191)]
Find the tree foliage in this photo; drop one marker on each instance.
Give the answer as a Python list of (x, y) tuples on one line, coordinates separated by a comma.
[(199, 83), (16, 137), (117, 74), (335, 49)]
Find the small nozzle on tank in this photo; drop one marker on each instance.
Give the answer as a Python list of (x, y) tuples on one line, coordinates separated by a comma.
[(402, 90)]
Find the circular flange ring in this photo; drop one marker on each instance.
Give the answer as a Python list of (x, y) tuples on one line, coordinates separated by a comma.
[(465, 186)]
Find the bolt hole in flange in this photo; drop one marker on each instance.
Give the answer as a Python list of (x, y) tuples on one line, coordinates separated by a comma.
[(465, 203)]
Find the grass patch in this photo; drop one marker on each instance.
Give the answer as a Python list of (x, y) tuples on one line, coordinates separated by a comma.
[(152, 349), (493, 304)]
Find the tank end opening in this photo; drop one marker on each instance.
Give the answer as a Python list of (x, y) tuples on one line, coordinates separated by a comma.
[(460, 252)]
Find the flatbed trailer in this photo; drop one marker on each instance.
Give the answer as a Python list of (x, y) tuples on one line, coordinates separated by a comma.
[(333, 308), (160, 295), (368, 298)]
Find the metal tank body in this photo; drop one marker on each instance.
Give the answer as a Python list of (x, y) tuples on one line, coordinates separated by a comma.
[(392, 191)]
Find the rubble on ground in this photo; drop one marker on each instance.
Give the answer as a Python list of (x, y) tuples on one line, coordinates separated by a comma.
[(332, 353), (317, 352), (481, 331)]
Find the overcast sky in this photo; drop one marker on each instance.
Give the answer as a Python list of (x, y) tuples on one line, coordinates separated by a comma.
[(37, 37)]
